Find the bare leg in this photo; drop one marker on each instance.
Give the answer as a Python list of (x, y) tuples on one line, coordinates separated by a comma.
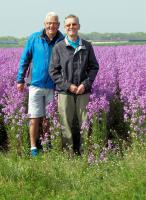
[(34, 130)]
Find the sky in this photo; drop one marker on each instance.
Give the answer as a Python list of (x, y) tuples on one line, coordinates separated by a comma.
[(20, 18)]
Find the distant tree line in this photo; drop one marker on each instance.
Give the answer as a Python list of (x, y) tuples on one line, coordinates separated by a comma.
[(9, 41), (93, 37)]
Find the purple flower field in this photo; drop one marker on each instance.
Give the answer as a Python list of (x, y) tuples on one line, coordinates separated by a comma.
[(122, 68), (11, 100)]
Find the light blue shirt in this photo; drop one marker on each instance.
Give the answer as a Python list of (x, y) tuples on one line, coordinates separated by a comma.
[(74, 44)]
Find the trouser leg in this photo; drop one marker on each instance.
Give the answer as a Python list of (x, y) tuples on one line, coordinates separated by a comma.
[(76, 134), (66, 108), (81, 103)]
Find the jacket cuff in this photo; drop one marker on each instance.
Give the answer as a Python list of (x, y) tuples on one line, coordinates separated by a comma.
[(67, 86), (86, 85), (22, 81)]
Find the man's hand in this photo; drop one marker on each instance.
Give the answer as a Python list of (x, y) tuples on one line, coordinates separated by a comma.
[(81, 89), (73, 88), (20, 87)]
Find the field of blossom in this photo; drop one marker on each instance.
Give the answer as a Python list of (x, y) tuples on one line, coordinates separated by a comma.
[(122, 75)]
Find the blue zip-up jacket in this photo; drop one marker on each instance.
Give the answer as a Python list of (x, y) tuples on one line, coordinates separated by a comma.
[(36, 58)]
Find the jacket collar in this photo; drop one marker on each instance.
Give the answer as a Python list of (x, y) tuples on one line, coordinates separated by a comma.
[(81, 45), (58, 37)]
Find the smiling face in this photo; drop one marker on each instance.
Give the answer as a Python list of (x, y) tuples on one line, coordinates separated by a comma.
[(51, 25), (71, 27)]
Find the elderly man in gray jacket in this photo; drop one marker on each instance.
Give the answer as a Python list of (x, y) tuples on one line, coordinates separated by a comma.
[(73, 68)]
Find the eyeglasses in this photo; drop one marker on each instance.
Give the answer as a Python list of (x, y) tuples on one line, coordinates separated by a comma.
[(52, 23), (73, 24)]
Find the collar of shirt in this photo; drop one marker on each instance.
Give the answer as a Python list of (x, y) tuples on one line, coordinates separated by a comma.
[(73, 44)]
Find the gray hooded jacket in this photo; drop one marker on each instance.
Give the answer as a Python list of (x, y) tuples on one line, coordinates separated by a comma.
[(73, 66)]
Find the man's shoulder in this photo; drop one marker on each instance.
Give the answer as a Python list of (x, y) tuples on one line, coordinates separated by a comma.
[(85, 42), (35, 34), (60, 44)]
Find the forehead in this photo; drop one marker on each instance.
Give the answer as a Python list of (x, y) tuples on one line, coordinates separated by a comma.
[(71, 20), (51, 19)]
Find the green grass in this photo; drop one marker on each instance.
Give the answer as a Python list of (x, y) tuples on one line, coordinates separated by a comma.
[(54, 176)]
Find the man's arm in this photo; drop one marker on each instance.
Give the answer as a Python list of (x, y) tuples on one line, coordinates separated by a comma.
[(92, 69), (56, 71), (25, 60)]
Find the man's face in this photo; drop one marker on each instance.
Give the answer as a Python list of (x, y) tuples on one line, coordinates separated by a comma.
[(51, 26), (71, 27)]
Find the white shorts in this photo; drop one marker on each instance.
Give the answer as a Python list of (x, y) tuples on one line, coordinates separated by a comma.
[(38, 100)]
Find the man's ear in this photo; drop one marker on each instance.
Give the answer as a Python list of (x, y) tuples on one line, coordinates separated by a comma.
[(79, 26), (58, 24)]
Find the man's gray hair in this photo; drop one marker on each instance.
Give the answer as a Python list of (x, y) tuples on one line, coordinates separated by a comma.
[(51, 14), (72, 16)]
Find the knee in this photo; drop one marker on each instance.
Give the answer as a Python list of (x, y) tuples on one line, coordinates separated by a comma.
[(34, 122)]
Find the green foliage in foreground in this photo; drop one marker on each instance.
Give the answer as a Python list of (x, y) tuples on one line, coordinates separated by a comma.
[(54, 176)]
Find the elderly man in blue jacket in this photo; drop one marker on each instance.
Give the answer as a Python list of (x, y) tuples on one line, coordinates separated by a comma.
[(35, 59)]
